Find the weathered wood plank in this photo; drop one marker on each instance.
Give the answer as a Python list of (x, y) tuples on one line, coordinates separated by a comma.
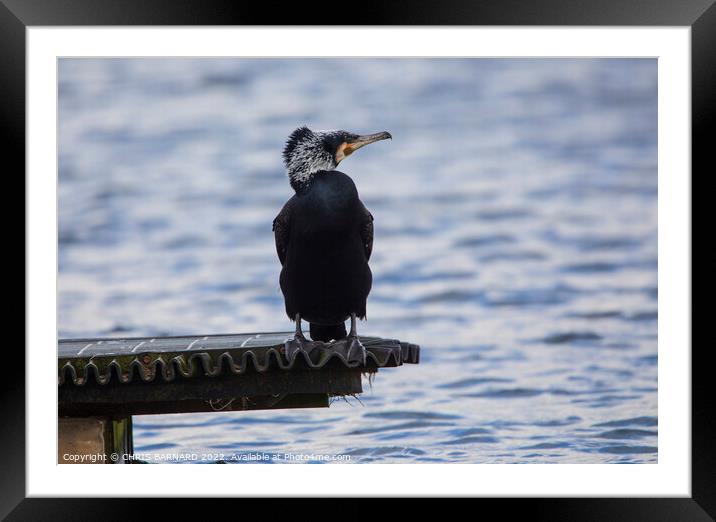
[(303, 400), (198, 394)]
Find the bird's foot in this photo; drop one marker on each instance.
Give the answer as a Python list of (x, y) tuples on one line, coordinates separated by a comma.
[(351, 349), (299, 342)]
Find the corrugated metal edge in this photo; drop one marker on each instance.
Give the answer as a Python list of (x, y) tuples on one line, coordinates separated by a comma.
[(146, 366)]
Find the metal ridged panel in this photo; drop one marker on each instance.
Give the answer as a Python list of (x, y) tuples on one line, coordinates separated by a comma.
[(130, 359)]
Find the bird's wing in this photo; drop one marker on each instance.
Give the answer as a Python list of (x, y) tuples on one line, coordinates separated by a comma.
[(366, 232), (281, 229)]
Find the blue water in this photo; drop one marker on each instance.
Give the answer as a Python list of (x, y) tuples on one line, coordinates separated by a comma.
[(515, 241)]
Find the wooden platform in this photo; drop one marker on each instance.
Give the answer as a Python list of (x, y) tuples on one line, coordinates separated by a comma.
[(135, 376), (103, 382)]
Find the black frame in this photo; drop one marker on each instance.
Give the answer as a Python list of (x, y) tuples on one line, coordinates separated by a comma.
[(700, 15)]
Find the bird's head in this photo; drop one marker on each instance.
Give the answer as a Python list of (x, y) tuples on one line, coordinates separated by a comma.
[(308, 152)]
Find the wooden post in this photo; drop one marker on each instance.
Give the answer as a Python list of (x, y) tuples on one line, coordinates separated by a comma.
[(94, 440)]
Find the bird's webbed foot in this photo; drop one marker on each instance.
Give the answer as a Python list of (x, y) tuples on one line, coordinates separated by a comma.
[(351, 349), (298, 343)]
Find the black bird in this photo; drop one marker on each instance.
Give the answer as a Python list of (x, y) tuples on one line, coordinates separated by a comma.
[(324, 238)]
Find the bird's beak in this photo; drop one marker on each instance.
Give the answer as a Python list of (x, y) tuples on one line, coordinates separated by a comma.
[(362, 141)]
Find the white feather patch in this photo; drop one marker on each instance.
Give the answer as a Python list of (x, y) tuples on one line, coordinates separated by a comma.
[(310, 156)]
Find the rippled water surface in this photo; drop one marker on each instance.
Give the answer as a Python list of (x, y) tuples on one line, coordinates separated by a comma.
[(515, 241)]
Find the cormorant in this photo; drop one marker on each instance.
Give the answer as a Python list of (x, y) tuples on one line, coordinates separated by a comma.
[(324, 238)]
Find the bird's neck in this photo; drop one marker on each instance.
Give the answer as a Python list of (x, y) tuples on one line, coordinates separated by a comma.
[(300, 184), (301, 179), (305, 162)]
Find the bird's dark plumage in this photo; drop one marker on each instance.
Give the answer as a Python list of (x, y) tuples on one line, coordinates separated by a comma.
[(324, 234), (324, 238)]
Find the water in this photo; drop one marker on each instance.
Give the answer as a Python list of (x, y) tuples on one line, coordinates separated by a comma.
[(515, 241)]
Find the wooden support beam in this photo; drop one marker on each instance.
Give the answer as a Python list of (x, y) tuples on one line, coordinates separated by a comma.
[(94, 440), (226, 392)]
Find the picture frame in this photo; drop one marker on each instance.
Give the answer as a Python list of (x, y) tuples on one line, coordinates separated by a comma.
[(700, 15)]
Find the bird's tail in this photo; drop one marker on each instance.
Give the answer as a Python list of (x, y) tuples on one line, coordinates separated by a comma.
[(326, 332)]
